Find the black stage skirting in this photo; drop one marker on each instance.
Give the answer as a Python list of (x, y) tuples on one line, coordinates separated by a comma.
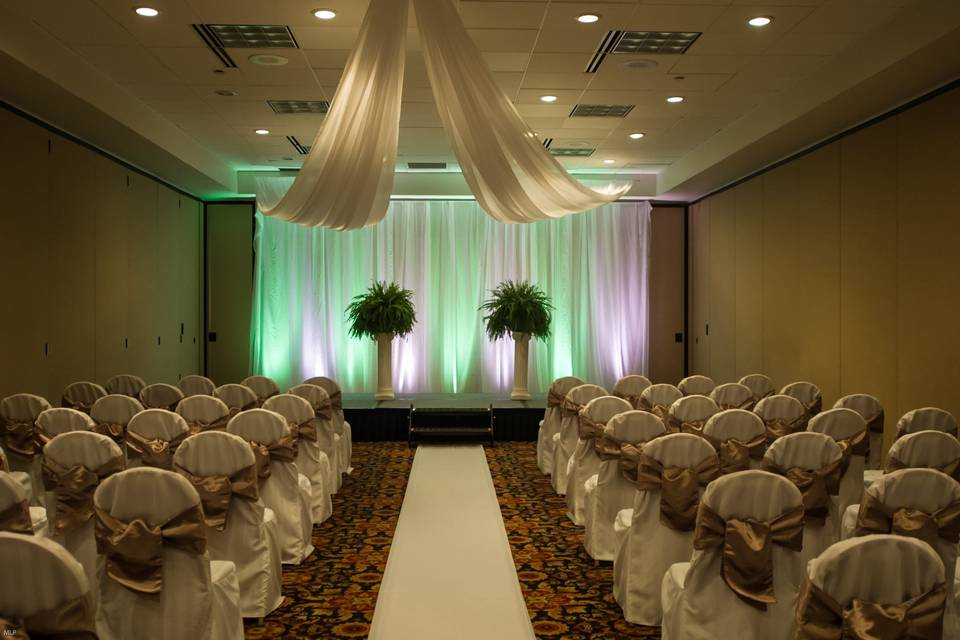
[(497, 416)]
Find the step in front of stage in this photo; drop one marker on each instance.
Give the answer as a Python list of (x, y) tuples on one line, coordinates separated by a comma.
[(438, 424)]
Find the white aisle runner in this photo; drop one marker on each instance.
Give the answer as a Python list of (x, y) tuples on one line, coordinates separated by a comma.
[(450, 574)]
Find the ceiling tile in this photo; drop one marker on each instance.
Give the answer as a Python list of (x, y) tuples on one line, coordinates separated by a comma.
[(556, 80), (502, 15)]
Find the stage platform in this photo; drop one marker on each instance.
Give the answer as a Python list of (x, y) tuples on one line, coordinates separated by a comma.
[(476, 417)]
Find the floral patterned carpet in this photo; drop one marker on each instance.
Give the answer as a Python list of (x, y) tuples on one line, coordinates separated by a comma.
[(334, 592)]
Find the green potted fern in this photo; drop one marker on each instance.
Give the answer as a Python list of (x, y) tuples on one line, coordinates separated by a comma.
[(383, 312), (523, 310)]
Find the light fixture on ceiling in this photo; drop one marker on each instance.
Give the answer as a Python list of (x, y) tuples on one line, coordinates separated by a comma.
[(588, 18), (325, 14), (640, 64), (227, 93), (760, 21), (147, 12), (609, 161), (268, 60), (262, 132), (636, 136), (548, 98), (675, 99)]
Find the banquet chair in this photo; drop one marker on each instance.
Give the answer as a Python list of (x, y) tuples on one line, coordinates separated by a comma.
[(22, 478), (760, 386), (204, 413), (125, 384), (311, 460), (263, 386), (585, 461), (925, 450), (927, 418), (871, 411), (739, 438), (281, 488), (340, 425), (629, 388), (153, 436), (689, 414), (74, 465), (849, 430), (111, 414), (567, 438), (658, 531), (853, 582), (327, 439), (808, 394), (43, 590), (237, 397), (696, 385), (18, 417), (550, 425), (16, 514), (57, 420), (814, 463), (164, 587), (732, 395), (781, 415), (194, 385), (613, 486), (81, 395), (222, 468), (657, 399), (160, 396), (752, 594)]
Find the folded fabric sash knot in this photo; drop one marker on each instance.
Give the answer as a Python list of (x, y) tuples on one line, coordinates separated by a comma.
[(746, 548), (336, 401), (260, 400), (694, 427), (814, 407), (323, 411), (815, 485), (820, 617), (112, 430), (246, 407), (569, 408), (554, 399), (71, 620), (134, 550), (951, 468), (217, 492), (280, 450), (588, 429), (18, 438), (632, 398), (876, 517), (745, 405), (735, 455), (856, 445), (218, 424), (629, 463), (306, 430), (778, 427), (875, 423), (155, 452), (74, 487), (662, 411), (78, 405), (679, 488), (607, 447), (16, 518)]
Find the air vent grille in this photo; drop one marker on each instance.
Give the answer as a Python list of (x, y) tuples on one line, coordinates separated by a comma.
[(601, 110), (253, 36), (302, 149), (211, 41), (572, 153), (426, 165), (299, 106), (547, 143), (670, 42), (607, 44)]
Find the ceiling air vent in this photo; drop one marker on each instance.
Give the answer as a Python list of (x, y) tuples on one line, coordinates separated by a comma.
[(572, 153), (606, 46), (671, 42), (302, 149), (426, 165), (547, 143), (252, 36), (299, 106), (211, 42), (601, 110)]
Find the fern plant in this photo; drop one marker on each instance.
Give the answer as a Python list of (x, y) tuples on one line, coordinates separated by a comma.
[(384, 308), (517, 307)]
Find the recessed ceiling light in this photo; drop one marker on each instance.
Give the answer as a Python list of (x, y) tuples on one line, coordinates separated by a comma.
[(609, 161), (760, 21), (636, 136), (147, 12), (325, 14), (675, 99), (226, 92), (548, 98), (262, 132), (588, 18)]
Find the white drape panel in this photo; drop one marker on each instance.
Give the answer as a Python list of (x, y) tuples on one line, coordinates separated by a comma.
[(594, 267)]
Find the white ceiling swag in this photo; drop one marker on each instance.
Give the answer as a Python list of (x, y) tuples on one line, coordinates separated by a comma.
[(346, 179)]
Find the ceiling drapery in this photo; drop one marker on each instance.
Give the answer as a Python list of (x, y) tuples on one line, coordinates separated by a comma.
[(346, 180)]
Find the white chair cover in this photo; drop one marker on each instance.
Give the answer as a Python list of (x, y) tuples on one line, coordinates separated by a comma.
[(203, 413), (327, 438), (22, 478), (741, 426), (81, 395), (585, 462), (196, 386), (18, 416), (690, 414), (926, 450), (810, 451), (760, 385), (732, 395), (630, 388), (160, 396), (263, 386), (249, 537), (870, 410), (609, 491), (282, 492), (781, 414), (16, 514), (649, 545), (848, 429), (125, 384), (53, 422), (39, 580), (198, 599), (340, 425), (698, 604), (550, 425), (311, 460), (567, 438), (807, 393), (927, 419), (696, 385), (237, 397), (112, 413), (159, 425), (657, 399)]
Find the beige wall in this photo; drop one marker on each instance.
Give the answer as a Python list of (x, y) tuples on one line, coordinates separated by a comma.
[(666, 294), (102, 265), (840, 267)]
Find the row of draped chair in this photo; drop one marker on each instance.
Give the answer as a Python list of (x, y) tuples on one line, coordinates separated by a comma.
[(162, 511), (712, 500)]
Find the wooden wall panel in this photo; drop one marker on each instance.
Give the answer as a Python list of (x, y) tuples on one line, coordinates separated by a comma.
[(699, 288), (190, 291), (722, 283), (143, 322), (748, 332), (168, 255), (666, 294), (111, 271)]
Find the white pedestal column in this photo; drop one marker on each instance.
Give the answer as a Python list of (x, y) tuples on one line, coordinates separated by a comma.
[(384, 367), (521, 348)]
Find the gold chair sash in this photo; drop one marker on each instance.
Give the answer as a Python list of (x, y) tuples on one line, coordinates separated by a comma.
[(662, 411), (324, 411), (875, 423), (554, 399), (607, 447), (281, 450), (951, 468), (235, 410), (79, 405), (814, 407), (856, 445), (745, 405), (876, 517), (746, 548), (735, 455), (40, 438), (16, 518), (694, 427), (569, 408), (134, 550), (74, 488), (820, 617), (18, 438), (217, 492), (306, 430), (679, 488), (777, 427), (629, 463), (72, 620), (155, 452), (815, 485), (632, 398), (219, 424), (336, 401), (588, 429), (112, 430)]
